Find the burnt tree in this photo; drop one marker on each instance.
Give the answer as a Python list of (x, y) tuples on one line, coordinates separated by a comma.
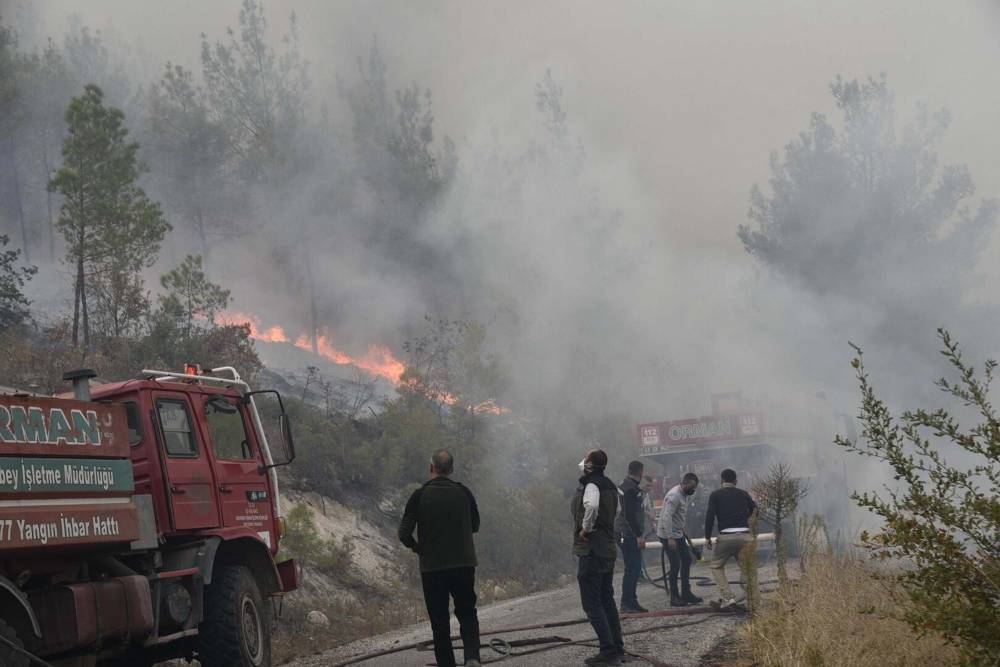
[(778, 495)]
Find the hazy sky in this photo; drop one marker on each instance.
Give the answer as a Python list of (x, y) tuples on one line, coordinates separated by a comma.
[(691, 96), (678, 104)]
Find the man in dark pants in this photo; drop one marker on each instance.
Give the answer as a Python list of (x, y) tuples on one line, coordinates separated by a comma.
[(595, 507), (445, 516), (671, 531), (629, 531)]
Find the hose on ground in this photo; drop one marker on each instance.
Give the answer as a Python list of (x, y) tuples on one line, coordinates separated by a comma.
[(661, 581), (590, 642), (709, 613), (700, 580)]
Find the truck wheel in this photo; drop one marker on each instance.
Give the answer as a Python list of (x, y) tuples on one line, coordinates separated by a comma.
[(236, 631), (8, 656)]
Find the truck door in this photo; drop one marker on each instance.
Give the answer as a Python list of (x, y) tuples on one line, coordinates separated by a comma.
[(189, 471), (243, 489)]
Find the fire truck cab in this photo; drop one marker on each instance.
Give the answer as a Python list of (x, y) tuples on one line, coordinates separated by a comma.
[(163, 544)]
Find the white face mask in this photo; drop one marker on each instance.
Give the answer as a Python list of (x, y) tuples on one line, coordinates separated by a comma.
[(582, 464)]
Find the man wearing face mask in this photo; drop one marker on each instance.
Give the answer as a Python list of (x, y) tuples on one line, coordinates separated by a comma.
[(595, 508), (671, 531)]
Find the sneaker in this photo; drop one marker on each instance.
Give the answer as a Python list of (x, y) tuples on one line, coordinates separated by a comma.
[(633, 609), (691, 598), (727, 604), (603, 658), (678, 602)]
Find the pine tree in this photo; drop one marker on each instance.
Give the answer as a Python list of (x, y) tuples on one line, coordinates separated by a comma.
[(190, 153), (190, 296), (112, 230)]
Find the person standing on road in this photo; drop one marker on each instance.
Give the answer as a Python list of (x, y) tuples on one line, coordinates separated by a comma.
[(733, 508), (630, 534), (445, 516), (595, 508), (671, 531)]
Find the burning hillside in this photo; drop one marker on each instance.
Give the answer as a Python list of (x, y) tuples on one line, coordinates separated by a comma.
[(378, 360)]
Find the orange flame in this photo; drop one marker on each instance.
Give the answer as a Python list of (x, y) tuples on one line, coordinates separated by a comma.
[(377, 361), (273, 334), (489, 406)]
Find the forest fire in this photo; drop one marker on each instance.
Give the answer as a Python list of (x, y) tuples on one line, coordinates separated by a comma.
[(378, 360)]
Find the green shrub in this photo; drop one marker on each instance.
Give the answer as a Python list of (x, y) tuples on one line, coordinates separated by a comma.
[(303, 542), (940, 521)]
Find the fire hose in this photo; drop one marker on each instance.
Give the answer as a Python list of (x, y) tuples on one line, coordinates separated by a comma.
[(701, 581), (421, 645), (558, 641), (561, 642)]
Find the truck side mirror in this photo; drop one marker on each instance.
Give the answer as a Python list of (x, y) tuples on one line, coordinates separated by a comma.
[(287, 441), (274, 425)]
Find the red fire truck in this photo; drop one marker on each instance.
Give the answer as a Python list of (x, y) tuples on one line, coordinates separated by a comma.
[(140, 520)]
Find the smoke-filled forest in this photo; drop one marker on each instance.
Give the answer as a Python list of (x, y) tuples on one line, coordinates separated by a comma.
[(433, 232)]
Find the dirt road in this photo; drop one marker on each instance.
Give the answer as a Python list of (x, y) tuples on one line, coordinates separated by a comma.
[(680, 646)]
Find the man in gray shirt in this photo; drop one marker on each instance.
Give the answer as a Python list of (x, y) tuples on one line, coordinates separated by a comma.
[(673, 536)]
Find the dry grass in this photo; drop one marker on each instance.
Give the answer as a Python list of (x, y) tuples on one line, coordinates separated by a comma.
[(838, 615)]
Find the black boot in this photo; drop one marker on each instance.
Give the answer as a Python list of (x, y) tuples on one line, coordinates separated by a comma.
[(677, 600), (602, 658), (690, 597)]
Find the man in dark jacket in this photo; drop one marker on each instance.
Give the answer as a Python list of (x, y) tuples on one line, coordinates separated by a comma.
[(733, 508), (595, 508), (630, 531), (445, 516)]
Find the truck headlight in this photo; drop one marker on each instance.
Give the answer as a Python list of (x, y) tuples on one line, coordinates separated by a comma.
[(178, 603)]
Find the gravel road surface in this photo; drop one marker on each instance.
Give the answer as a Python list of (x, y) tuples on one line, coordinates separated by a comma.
[(676, 647)]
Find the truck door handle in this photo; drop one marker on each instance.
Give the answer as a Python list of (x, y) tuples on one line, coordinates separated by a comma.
[(176, 489), (224, 488)]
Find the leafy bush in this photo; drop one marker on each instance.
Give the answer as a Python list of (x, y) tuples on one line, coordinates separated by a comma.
[(303, 542), (942, 521), (13, 304)]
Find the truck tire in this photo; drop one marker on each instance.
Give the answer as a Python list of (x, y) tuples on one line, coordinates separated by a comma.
[(8, 656), (236, 631)]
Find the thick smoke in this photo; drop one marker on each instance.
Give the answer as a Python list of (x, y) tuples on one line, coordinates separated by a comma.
[(591, 166)]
